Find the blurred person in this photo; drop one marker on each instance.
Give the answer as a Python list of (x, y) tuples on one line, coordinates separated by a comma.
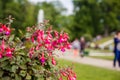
[(116, 49), (76, 46), (82, 46)]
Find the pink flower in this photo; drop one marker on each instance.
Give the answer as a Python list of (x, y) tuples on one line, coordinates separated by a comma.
[(38, 38), (54, 43), (8, 52), (37, 47), (6, 29), (53, 61), (64, 73), (42, 34), (47, 41), (71, 78), (31, 52), (65, 35), (32, 38), (60, 40), (68, 45), (42, 59), (3, 45), (62, 48), (49, 47), (56, 33), (74, 75), (60, 78), (0, 55), (1, 29), (49, 35)]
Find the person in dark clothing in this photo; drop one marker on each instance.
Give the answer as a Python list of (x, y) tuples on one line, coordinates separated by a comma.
[(116, 49), (82, 46)]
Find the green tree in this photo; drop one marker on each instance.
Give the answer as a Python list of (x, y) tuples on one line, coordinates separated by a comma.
[(23, 11), (96, 17)]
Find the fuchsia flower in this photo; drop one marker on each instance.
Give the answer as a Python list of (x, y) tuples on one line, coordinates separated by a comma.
[(42, 34), (64, 74), (71, 78), (47, 41), (54, 44), (53, 61), (3, 45), (56, 33), (68, 73), (60, 40), (38, 38), (50, 43), (62, 48), (1, 29), (31, 52), (32, 38), (60, 78), (37, 47), (49, 47), (8, 52), (65, 35), (1, 55), (42, 59), (50, 36), (5, 29), (68, 45)]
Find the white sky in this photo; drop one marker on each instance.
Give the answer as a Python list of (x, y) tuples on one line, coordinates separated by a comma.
[(66, 3)]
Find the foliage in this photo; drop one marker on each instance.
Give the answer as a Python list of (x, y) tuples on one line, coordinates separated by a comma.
[(96, 17), (32, 57)]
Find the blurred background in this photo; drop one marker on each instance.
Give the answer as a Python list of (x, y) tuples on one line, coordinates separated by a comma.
[(96, 20)]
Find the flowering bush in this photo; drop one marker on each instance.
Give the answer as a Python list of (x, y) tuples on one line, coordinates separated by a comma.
[(33, 57)]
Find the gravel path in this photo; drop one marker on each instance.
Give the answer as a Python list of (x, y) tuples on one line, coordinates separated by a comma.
[(90, 61)]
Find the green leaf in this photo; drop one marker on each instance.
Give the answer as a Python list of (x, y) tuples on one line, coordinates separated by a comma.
[(7, 67), (22, 53), (14, 68), (28, 77), (6, 78), (17, 39), (1, 73), (28, 59), (20, 31), (11, 38), (5, 63), (17, 77), (3, 59), (23, 73), (23, 66), (12, 62)]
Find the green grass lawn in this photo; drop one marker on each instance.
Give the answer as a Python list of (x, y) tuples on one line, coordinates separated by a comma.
[(98, 50), (104, 40), (86, 72), (103, 57)]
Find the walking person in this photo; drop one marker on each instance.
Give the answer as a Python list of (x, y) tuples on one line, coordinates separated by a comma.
[(76, 47), (82, 46), (116, 49)]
